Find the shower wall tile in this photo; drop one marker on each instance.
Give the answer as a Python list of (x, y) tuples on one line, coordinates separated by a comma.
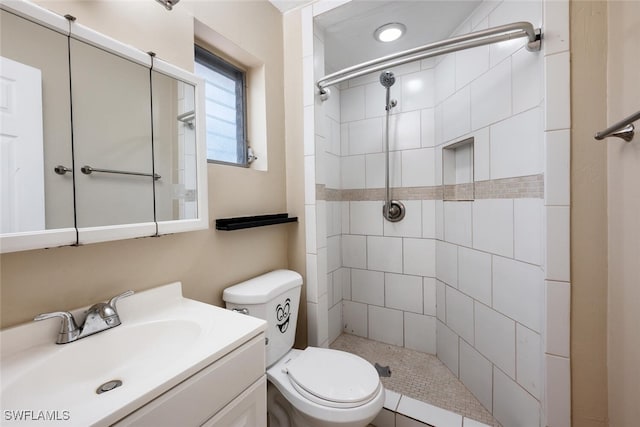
[(470, 64), (474, 274), (354, 251), (312, 278), (365, 136), (375, 169), (460, 314), (517, 145), (456, 114), (321, 223), (439, 219), (404, 131), (420, 332), (482, 12), (417, 91), (419, 257), (354, 317), (333, 179), (493, 226), (447, 347), (309, 128), (322, 272), (481, 154), (512, 405), (427, 127), (429, 219), (310, 180), (447, 263), (557, 322), (411, 224), (334, 253), (495, 337), (557, 243), (558, 391), (528, 361), (335, 322), (352, 104), (441, 305), (375, 97), (491, 96), (429, 296), (557, 167), (333, 145), (509, 12), (518, 291), (556, 26), (367, 287), (384, 254), (386, 325), (366, 218), (310, 228), (446, 77), (527, 86), (476, 372), (337, 281), (352, 172), (414, 164), (528, 216), (309, 87), (345, 217), (346, 283), (403, 292), (557, 91), (457, 222)]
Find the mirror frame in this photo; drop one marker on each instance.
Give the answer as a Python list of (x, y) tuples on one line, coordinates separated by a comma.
[(13, 242)]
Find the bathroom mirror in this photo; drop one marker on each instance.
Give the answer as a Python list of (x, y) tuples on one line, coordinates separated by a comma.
[(111, 97), (35, 111), (116, 143)]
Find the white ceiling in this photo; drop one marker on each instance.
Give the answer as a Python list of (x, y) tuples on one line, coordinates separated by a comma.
[(349, 28), (286, 5)]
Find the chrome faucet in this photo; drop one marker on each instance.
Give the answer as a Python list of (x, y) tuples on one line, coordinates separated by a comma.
[(99, 317)]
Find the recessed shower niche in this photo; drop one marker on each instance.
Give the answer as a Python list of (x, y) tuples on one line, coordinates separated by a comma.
[(457, 171)]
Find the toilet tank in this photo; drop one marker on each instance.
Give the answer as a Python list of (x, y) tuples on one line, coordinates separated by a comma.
[(274, 297)]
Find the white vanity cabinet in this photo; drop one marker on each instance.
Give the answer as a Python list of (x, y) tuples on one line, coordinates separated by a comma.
[(230, 392)]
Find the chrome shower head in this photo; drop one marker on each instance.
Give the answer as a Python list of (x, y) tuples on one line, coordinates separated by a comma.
[(387, 79)]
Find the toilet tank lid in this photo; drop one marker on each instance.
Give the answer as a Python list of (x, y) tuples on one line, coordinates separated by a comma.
[(263, 288)]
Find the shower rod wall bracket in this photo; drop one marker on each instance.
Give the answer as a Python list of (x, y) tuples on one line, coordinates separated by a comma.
[(535, 45)]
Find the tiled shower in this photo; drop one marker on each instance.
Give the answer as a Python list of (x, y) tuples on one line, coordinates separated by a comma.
[(480, 277)]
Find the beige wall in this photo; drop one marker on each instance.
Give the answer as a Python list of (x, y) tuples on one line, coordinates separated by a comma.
[(205, 261), (623, 178), (588, 214)]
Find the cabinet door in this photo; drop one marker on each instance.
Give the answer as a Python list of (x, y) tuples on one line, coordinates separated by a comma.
[(36, 206), (247, 410), (112, 136)]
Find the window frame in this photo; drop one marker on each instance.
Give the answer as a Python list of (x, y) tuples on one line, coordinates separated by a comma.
[(214, 62)]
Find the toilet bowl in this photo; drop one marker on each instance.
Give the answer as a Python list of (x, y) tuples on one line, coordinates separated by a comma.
[(315, 387)]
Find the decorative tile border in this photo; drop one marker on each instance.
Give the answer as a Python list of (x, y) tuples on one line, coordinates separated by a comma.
[(523, 187)]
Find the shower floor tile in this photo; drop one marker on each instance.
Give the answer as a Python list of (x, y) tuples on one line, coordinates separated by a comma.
[(418, 375)]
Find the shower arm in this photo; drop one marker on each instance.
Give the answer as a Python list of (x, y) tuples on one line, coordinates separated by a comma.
[(466, 41)]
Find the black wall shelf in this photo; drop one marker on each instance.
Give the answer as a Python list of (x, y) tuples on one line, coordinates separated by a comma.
[(239, 223)]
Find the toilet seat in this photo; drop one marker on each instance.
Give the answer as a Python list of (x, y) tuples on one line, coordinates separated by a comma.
[(333, 378)]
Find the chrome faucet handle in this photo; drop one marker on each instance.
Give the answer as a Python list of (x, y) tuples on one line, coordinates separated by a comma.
[(114, 300), (68, 329)]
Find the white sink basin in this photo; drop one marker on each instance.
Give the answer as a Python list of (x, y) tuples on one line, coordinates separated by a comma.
[(163, 339)]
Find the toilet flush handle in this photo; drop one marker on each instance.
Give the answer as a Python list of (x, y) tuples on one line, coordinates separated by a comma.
[(241, 310)]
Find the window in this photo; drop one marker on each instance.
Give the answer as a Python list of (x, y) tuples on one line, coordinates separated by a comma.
[(225, 108)]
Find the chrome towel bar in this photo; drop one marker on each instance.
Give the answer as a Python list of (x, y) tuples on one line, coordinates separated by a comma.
[(623, 129), (87, 170)]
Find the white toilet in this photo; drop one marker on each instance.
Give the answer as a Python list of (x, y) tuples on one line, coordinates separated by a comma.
[(315, 387)]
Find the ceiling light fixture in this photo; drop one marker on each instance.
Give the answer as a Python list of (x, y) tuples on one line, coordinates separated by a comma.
[(168, 4), (389, 32)]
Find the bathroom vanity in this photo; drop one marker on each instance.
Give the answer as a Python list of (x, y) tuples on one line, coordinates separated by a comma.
[(172, 362)]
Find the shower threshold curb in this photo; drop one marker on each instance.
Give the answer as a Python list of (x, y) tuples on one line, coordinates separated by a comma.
[(397, 405)]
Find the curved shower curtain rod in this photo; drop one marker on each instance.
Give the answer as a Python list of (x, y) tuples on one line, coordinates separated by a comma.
[(492, 35)]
